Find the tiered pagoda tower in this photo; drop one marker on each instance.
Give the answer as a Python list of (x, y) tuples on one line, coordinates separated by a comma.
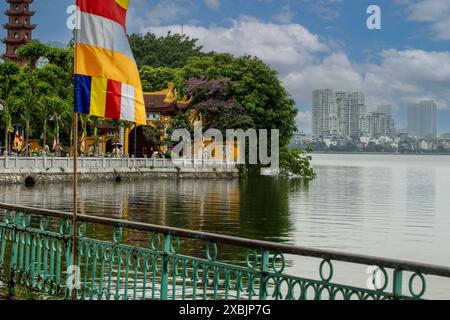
[(19, 27)]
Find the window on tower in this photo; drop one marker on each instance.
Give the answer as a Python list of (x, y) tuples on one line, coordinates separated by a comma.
[(16, 35)]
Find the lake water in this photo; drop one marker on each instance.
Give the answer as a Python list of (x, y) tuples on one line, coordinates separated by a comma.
[(389, 206)]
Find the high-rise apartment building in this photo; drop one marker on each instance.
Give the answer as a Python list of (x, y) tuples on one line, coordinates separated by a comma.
[(422, 119), (340, 112), (325, 113), (381, 123)]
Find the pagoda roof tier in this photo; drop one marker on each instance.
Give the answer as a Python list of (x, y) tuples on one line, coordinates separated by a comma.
[(19, 1), (20, 26), (9, 56), (20, 13), (14, 41)]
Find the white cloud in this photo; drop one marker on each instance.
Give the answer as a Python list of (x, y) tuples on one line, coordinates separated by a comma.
[(306, 62), (435, 12), (212, 4), (282, 46), (304, 121), (285, 16)]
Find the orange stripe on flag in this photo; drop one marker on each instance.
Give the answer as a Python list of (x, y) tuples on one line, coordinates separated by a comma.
[(140, 112), (103, 63)]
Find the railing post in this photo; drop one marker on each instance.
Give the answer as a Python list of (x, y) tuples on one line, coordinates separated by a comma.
[(165, 267), (264, 275), (398, 283), (14, 255)]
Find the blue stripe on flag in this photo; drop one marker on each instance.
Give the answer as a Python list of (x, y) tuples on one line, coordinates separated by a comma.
[(82, 94)]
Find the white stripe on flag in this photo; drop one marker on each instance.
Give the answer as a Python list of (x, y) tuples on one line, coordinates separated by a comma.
[(127, 111), (103, 33)]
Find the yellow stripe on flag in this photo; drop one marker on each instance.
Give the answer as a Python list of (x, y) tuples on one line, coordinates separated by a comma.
[(98, 97), (140, 112), (123, 3), (103, 63)]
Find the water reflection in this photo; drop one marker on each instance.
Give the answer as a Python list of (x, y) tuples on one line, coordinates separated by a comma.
[(390, 206)]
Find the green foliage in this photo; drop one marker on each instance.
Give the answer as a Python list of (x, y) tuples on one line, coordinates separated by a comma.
[(32, 52), (171, 51), (156, 79), (153, 135), (250, 95), (297, 163), (39, 99), (253, 84), (214, 101)]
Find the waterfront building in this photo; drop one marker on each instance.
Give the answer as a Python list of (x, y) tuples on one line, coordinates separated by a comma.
[(161, 107), (339, 113), (325, 113), (381, 123), (422, 119), (19, 27), (352, 114)]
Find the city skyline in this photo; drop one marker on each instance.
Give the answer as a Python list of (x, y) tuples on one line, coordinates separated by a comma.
[(311, 44), (346, 114)]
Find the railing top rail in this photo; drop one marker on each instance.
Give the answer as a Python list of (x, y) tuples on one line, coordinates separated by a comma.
[(246, 243)]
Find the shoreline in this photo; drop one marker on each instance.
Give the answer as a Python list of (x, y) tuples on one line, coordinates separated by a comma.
[(33, 177)]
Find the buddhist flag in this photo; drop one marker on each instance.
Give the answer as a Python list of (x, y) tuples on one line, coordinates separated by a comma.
[(107, 82)]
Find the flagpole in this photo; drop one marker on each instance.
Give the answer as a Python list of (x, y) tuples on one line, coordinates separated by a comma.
[(75, 205), (75, 181)]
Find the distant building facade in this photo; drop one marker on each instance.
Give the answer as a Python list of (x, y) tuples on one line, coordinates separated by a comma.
[(339, 113), (422, 119), (381, 123), (325, 113)]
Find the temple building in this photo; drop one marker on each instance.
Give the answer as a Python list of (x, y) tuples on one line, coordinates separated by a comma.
[(161, 107), (19, 28)]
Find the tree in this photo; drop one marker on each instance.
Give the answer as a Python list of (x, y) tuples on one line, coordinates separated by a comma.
[(153, 134), (252, 84), (32, 52), (32, 95), (156, 79), (255, 86), (297, 163), (171, 51), (214, 101), (24, 102), (9, 78)]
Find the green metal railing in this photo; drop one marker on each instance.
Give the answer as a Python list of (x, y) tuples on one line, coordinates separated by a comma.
[(121, 260)]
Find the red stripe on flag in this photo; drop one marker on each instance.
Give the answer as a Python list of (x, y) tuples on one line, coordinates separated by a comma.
[(113, 100), (109, 9)]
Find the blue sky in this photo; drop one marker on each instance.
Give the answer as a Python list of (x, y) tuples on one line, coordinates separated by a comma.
[(312, 43)]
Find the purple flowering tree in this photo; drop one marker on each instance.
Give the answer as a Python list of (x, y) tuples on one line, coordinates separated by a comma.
[(214, 101)]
